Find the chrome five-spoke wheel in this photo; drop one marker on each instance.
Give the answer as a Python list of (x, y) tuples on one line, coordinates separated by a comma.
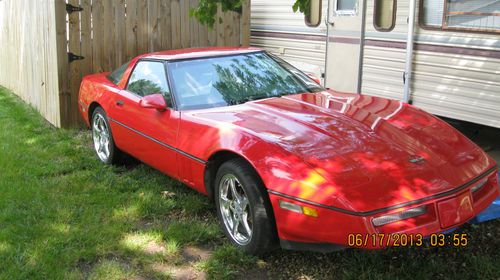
[(244, 208), (101, 137), (235, 209)]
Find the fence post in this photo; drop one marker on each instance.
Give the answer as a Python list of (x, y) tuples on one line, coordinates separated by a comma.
[(245, 24), (62, 62)]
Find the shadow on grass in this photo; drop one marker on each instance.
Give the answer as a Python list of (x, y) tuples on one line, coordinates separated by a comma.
[(65, 215)]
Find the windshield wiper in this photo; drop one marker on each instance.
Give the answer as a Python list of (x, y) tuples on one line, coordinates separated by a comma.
[(239, 101), (253, 98)]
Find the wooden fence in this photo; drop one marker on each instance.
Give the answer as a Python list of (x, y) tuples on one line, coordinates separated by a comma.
[(28, 55), (98, 36)]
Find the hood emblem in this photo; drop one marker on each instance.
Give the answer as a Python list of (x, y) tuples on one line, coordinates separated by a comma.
[(416, 159)]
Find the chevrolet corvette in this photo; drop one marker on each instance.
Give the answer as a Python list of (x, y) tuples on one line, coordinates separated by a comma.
[(286, 161)]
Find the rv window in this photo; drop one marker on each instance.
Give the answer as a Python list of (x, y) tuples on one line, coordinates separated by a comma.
[(384, 15), (471, 15), (345, 7), (313, 17)]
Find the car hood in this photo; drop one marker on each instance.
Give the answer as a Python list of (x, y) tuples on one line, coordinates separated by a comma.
[(369, 152)]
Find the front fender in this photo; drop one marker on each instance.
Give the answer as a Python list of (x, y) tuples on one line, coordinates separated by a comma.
[(281, 171)]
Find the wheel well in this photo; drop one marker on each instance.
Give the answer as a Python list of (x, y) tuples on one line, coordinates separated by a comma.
[(213, 164), (91, 110)]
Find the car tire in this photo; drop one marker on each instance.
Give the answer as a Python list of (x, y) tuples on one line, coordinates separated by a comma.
[(232, 209), (102, 137)]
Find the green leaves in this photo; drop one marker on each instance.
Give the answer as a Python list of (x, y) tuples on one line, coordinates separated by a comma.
[(206, 12), (302, 6)]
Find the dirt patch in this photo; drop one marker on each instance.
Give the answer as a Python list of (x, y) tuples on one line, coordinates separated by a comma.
[(84, 267), (196, 253), (184, 272), (153, 248)]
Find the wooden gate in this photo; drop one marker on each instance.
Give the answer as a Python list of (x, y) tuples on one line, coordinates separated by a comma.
[(100, 35)]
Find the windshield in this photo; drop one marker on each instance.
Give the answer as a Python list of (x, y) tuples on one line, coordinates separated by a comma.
[(231, 80)]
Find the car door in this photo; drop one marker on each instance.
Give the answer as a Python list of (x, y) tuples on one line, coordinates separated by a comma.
[(147, 134)]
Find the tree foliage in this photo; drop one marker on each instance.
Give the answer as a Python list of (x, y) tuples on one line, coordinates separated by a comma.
[(206, 12), (302, 6)]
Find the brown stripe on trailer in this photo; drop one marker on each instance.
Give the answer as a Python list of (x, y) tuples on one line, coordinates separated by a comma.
[(383, 43), (436, 48), (284, 35)]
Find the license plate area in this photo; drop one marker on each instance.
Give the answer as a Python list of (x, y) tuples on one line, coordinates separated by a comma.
[(455, 210)]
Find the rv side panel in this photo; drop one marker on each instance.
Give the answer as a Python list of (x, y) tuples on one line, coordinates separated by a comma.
[(276, 28), (456, 74)]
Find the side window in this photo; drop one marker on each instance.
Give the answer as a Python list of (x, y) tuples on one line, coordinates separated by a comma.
[(313, 16), (384, 16), (117, 75), (345, 7), (470, 15), (149, 77)]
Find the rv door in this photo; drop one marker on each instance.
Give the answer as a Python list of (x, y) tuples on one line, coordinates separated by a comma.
[(345, 23)]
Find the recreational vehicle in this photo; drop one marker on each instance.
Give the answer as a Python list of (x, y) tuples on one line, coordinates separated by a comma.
[(451, 66)]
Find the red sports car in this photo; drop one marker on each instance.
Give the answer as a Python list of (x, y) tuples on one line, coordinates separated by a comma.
[(284, 159)]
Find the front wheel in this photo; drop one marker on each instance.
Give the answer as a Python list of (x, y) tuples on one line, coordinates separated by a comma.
[(243, 208)]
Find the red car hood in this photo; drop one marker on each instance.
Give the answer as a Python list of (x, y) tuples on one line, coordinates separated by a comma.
[(370, 152)]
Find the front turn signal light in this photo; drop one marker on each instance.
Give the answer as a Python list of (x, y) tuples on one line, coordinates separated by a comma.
[(406, 214), (308, 211)]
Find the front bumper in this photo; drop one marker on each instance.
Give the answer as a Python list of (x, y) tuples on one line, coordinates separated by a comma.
[(331, 229)]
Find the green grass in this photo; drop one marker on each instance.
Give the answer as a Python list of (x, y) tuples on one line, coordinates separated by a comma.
[(64, 215)]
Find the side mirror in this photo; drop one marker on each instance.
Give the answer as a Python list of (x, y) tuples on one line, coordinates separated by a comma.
[(154, 101), (314, 78)]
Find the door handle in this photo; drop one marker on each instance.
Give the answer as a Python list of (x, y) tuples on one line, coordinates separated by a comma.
[(328, 21), (120, 103)]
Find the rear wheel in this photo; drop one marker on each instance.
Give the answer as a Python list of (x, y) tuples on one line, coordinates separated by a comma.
[(104, 144), (244, 210)]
